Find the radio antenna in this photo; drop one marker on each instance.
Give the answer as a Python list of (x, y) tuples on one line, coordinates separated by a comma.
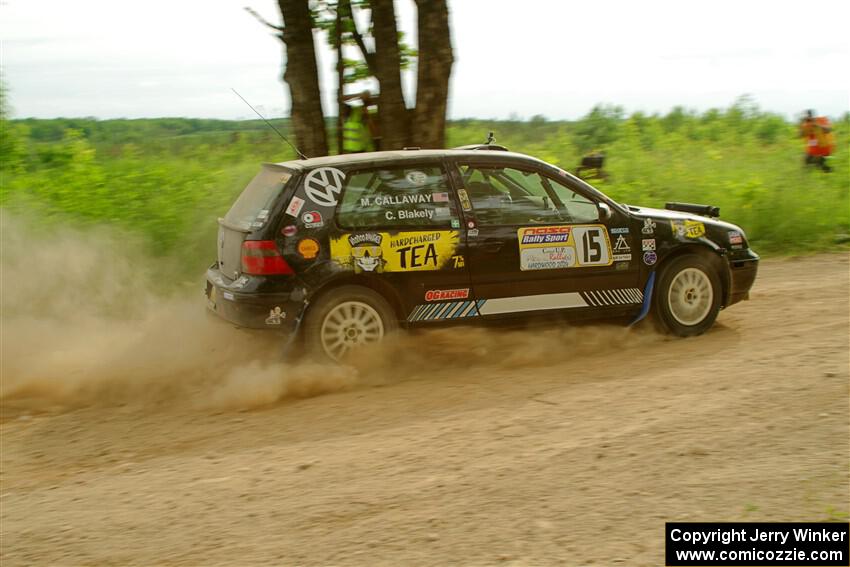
[(297, 151)]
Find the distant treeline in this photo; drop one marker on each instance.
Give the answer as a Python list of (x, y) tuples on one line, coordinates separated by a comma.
[(597, 129), (123, 130)]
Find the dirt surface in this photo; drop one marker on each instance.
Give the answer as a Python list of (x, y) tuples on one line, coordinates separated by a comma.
[(463, 447)]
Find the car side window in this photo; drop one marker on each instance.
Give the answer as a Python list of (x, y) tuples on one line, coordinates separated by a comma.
[(413, 196), (512, 196), (578, 207)]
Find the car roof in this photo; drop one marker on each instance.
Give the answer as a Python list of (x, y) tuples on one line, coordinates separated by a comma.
[(394, 156), (397, 155)]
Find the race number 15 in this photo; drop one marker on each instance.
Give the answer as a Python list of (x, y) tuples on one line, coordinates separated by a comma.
[(592, 246)]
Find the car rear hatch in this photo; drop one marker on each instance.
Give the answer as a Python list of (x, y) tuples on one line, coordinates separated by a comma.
[(250, 213)]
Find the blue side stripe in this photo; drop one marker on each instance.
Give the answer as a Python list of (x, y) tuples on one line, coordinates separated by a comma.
[(422, 310), (429, 313), (447, 310), (416, 312), (461, 306), (432, 312), (444, 308), (457, 312)]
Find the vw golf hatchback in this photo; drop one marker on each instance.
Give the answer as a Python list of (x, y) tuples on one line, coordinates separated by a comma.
[(343, 250)]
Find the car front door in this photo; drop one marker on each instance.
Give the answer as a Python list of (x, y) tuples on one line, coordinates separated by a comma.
[(536, 244)]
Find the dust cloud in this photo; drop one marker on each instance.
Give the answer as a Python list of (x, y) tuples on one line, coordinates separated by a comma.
[(89, 318)]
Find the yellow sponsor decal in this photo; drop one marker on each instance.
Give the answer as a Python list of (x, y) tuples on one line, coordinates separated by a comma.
[(688, 228), (378, 252), (558, 247), (464, 199)]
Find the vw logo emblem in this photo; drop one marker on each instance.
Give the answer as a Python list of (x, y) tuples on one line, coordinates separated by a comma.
[(324, 185)]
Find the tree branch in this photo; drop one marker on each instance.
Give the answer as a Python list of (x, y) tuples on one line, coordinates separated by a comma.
[(368, 56), (262, 21)]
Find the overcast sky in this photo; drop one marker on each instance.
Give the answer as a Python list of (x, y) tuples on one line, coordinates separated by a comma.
[(115, 58)]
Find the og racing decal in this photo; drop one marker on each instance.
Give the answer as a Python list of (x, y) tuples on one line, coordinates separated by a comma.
[(378, 252), (557, 247)]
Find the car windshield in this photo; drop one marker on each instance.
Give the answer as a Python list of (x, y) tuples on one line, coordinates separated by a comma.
[(251, 209), (587, 186)]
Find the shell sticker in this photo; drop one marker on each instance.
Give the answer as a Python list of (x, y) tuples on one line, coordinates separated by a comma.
[(308, 248)]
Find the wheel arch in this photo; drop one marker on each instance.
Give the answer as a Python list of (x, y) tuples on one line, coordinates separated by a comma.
[(376, 284), (713, 256)]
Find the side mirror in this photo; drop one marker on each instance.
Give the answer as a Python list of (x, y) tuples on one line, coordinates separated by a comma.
[(604, 211)]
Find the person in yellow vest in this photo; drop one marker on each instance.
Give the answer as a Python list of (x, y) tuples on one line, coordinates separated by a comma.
[(360, 129), (356, 137)]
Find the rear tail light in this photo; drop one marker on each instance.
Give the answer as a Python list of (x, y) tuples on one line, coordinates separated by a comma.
[(261, 258)]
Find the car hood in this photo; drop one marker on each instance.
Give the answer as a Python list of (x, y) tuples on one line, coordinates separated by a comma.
[(648, 212)]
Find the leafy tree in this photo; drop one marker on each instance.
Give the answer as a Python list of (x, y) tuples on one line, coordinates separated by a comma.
[(13, 138), (424, 124)]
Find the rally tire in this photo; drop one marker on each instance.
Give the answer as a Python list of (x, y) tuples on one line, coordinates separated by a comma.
[(346, 318), (686, 299)]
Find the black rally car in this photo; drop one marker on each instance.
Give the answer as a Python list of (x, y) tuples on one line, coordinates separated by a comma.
[(345, 249)]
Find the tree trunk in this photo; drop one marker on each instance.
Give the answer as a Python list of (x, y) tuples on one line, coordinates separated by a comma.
[(340, 78), (434, 70), (302, 76), (392, 112)]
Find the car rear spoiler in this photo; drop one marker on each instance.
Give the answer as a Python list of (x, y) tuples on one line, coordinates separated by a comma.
[(704, 210)]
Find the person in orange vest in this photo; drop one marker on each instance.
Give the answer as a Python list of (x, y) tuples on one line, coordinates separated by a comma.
[(819, 138)]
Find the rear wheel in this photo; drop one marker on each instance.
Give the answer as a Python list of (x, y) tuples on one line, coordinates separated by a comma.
[(346, 318), (687, 296)]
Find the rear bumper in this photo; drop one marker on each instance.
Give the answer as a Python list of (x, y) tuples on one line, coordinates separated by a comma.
[(743, 273), (279, 311)]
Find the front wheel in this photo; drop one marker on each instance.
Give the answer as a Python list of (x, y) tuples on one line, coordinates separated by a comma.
[(687, 296), (346, 318)]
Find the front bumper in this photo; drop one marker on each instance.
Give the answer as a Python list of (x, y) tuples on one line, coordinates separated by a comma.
[(277, 311), (742, 270)]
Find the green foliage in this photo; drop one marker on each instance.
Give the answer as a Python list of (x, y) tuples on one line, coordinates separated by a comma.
[(324, 14), (12, 138), (170, 179)]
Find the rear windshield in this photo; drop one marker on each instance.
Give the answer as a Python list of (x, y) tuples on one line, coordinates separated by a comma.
[(251, 209)]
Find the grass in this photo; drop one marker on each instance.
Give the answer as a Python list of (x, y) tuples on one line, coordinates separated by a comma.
[(168, 180)]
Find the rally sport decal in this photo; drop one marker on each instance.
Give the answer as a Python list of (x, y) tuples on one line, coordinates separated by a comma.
[(557, 247)]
